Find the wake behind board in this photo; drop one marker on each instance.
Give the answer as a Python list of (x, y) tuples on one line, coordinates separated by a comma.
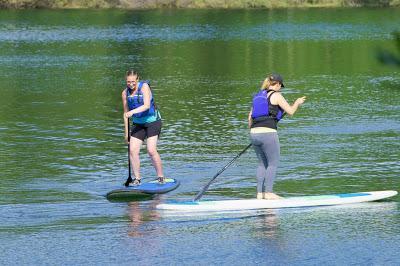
[(291, 202), (144, 189)]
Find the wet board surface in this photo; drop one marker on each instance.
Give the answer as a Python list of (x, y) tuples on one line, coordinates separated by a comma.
[(145, 189), (290, 202)]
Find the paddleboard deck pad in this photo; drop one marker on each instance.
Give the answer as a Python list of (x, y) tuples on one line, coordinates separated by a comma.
[(147, 188), (290, 202)]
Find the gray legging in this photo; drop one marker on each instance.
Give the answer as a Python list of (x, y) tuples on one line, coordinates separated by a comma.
[(267, 149)]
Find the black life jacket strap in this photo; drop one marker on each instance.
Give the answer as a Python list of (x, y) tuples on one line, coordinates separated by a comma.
[(269, 96), (262, 118)]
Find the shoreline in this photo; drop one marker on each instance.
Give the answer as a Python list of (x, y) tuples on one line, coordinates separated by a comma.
[(193, 4)]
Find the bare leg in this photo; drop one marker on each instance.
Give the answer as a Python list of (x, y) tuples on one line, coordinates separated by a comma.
[(135, 149), (154, 155)]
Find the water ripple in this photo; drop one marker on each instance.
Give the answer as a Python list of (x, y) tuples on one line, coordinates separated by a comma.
[(188, 32)]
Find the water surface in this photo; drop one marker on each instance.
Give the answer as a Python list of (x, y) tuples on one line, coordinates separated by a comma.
[(62, 73)]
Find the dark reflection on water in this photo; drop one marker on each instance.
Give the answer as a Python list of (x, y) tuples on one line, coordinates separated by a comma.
[(62, 145)]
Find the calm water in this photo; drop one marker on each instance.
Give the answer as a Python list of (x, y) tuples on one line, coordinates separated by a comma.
[(62, 149)]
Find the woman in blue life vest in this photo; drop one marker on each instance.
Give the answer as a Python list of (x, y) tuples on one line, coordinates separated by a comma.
[(138, 103), (268, 108)]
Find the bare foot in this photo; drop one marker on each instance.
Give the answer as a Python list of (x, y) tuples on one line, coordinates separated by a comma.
[(271, 196), (260, 196)]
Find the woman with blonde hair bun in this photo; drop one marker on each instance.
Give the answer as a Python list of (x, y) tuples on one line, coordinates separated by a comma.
[(268, 107)]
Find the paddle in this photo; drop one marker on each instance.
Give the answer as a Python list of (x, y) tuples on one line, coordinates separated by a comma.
[(200, 194), (129, 179)]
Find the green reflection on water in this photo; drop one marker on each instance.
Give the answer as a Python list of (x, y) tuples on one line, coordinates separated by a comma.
[(61, 109)]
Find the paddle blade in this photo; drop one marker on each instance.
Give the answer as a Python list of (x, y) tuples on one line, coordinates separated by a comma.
[(128, 181)]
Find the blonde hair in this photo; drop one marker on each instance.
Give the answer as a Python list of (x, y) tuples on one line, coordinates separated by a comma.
[(268, 82)]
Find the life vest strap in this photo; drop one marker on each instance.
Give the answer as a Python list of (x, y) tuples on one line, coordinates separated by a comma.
[(262, 118)]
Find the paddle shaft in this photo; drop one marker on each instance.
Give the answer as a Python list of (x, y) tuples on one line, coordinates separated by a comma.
[(200, 194), (129, 149), (129, 179)]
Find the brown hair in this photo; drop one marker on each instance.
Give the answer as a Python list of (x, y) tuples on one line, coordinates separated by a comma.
[(131, 72)]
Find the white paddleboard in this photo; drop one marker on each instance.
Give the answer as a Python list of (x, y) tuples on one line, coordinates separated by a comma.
[(291, 202)]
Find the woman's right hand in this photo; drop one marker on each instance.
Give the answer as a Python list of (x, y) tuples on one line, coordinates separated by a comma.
[(128, 114), (300, 100)]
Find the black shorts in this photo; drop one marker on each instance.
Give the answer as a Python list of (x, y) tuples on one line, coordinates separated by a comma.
[(142, 131)]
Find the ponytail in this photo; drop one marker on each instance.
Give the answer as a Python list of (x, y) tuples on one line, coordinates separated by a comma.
[(269, 81), (266, 83)]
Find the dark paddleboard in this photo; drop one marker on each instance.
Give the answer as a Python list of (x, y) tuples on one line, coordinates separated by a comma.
[(144, 189)]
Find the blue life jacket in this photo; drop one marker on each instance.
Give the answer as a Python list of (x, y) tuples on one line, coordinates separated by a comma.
[(263, 109), (136, 100)]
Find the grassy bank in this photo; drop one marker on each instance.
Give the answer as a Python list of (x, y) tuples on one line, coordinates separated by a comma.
[(148, 4)]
